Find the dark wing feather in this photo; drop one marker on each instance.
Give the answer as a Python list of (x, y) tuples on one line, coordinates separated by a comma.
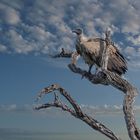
[(116, 62), (91, 51)]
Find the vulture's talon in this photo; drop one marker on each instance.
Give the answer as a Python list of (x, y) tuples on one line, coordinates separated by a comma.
[(83, 75)]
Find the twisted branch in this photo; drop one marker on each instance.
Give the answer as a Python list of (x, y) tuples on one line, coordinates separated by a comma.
[(106, 77), (75, 111)]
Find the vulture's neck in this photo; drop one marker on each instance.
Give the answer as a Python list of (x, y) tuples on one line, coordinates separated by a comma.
[(82, 38)]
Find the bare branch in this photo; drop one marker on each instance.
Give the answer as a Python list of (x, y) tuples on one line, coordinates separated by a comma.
[(64, 107), (105, 53), (64, 93), (56, 99), (63, 53), (106, 77), (76, 112)]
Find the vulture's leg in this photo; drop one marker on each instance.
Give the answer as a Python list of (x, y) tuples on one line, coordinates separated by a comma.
[(89, 71), (97, 69), (90, 67)]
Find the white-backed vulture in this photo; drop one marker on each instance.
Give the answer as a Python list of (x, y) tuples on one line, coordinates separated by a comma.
[(91, 49)]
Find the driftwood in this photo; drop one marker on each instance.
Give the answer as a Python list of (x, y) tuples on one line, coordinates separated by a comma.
[(103, 77)]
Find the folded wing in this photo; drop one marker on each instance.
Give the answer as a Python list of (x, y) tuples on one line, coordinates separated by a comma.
[(92, 50)]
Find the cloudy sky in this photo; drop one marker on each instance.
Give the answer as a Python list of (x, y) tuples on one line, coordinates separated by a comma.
[(31, 30)]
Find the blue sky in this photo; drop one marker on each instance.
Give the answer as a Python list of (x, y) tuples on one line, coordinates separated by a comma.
[(31, 30)]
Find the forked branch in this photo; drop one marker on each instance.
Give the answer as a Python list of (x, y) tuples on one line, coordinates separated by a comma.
[(75, 111)]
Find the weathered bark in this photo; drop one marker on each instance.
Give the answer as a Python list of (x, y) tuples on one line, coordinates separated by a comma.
[(75, 111), (106, 77), (105, 54)]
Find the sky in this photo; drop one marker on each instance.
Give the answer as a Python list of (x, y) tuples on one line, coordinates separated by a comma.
[(32, 30)]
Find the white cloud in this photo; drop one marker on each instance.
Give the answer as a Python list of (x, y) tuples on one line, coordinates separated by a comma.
[(106, 109), (18, 43), (45, 26), (134, 40), (133, 54), (12, 16), (92, 110), (125, 13), (11, 107), (9, 15), (134, 65), (130, 51), (16, 108), (3, 48)]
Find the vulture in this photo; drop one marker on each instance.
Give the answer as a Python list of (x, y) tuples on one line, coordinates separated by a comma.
[(91, 50)]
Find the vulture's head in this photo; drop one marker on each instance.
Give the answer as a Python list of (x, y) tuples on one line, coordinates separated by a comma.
[(78, 31)]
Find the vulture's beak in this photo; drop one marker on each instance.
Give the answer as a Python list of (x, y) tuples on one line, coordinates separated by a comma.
[(77, 31)]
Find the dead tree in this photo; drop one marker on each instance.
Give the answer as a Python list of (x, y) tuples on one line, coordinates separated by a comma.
[(103, 77), (75, 111)]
